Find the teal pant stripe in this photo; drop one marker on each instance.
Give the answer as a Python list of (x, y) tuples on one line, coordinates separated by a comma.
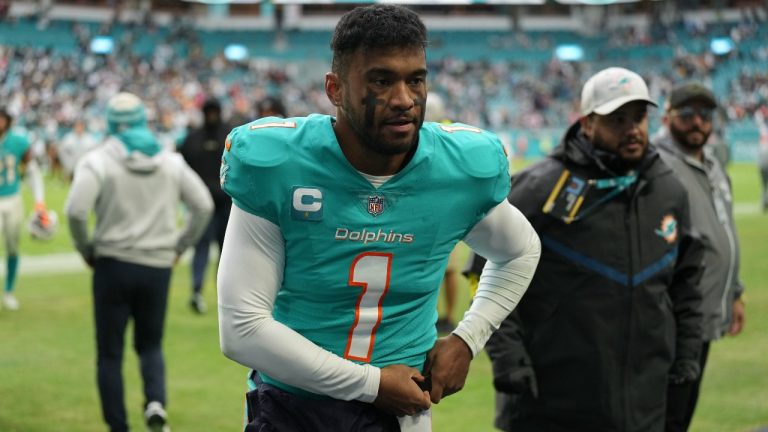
[(12, 266)]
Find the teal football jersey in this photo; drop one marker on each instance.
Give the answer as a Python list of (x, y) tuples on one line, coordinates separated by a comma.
[(12, 151), (363, 266)]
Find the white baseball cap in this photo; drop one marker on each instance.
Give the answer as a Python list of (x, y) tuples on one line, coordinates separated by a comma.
[(611, 88)]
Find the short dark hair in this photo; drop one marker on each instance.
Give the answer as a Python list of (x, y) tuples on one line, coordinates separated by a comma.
[(211, 104), (7, 115), (379, 26), (271, 104)]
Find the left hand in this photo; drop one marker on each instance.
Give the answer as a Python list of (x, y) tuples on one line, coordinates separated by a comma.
[(738, 319), (448, 366)]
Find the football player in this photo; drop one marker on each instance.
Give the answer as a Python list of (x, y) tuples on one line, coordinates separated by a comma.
[(15, 158), (340, 234)]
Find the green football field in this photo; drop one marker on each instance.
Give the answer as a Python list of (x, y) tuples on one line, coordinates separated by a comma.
[(47, 352)]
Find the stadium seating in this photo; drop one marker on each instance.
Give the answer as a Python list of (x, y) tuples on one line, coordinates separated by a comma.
[(507, 81)]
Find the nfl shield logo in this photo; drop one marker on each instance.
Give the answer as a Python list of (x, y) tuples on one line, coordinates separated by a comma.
[(375, 205)]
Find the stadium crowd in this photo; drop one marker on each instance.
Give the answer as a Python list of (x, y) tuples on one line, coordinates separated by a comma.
[(49, 91)]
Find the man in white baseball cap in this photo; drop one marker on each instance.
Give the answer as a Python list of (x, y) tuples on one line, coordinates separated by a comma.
[(612, 313), (612, 102), (611, 88)]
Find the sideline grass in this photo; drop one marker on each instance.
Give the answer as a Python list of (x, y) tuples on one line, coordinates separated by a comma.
[(47, 361), (47, 366)]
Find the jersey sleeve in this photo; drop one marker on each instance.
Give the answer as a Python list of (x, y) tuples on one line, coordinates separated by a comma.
[(254, 164), (20, 144)]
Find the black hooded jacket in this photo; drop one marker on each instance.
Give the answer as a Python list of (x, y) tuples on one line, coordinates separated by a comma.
[(202, 149), (613, 303)]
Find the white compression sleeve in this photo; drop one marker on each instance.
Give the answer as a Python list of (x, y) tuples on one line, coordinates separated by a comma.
[(35, 179), (511, 246), (250, 275)]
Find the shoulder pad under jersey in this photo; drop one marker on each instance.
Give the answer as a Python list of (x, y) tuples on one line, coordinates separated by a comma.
[(265, 142), (255, 160), (16, 142), (479, 153)]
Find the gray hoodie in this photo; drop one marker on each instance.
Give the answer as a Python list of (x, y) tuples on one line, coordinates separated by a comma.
[(135, 198), (711, 203)]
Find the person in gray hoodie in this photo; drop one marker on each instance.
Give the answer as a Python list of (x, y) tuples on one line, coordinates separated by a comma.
[(682, 145), (134, 189)]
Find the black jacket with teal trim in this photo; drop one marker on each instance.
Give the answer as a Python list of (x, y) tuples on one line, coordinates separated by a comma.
[(613, 302)]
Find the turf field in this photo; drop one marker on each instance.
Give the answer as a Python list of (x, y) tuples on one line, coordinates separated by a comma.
[(47, 352)]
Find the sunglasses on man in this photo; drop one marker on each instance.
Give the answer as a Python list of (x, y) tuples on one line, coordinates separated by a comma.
[(687, 113)]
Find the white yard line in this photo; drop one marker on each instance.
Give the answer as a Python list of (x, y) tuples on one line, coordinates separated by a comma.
[(67, 262), (747, 208)]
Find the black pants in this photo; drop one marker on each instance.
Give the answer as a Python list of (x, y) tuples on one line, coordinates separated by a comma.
[(122, 291), (682, 399), (215, 231), (271, 409)]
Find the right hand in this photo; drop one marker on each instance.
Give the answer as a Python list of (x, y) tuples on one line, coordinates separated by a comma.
[(88, 257), (517, 380), (684, 372), (399, 392), (42, 214)]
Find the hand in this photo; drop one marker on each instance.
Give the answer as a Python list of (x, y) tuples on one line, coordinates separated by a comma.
[(684, 372), (399, 391), (447, 365), (42, 214), (515, 379), (738, 319), (88, 255)]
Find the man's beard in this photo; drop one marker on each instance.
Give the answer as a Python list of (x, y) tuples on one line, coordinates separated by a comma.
[(613, 159), (368, 139), (681, 137), (387, 148)]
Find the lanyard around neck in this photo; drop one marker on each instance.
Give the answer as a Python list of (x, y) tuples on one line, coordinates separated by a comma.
[(618, 184), (568, 195)]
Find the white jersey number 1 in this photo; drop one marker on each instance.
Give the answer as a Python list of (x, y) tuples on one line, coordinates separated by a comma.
[(370, 271)]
